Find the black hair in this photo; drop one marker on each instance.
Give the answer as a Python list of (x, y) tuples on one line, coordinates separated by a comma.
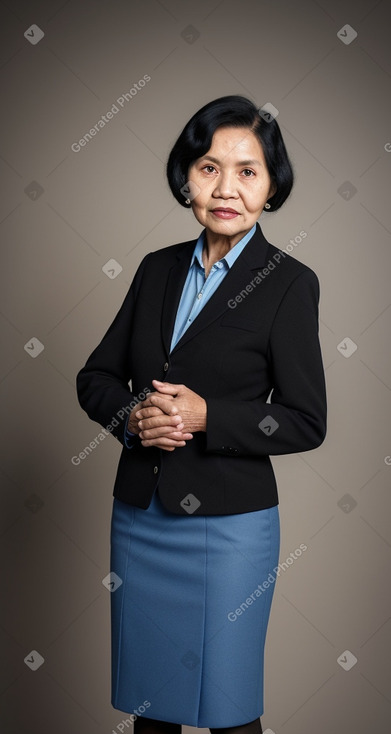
[(231, 111)]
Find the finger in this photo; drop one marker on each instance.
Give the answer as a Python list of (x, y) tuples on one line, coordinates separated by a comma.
[(147, 402), (155, 392), (165, 405), (162, 431), (170, 431), (168, 388), (149, 412), (172, 422), (152, 404), (155, 412), (163, 442)]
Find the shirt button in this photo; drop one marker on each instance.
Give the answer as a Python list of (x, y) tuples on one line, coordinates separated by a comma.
[(165, 366), (155, 469)]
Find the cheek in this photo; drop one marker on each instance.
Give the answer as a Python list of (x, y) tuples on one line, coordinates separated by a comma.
[(194, 178), (199, 201), (253, 200), (204, 193), (255, 195)]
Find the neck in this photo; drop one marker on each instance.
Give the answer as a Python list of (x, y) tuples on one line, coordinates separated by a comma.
[(217, 245)]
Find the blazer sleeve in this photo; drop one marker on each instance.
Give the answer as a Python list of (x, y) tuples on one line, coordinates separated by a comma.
[(295, 419), (102, 384)]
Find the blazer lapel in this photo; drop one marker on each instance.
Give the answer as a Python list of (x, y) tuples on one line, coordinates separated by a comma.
[(172, 296), (240, 274)]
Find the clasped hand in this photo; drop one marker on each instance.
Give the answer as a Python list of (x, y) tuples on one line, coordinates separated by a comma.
[(168, 417)]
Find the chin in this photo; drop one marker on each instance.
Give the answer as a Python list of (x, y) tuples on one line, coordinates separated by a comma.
[(222, 228)]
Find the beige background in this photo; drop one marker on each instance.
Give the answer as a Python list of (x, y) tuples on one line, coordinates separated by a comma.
[(111, 200)]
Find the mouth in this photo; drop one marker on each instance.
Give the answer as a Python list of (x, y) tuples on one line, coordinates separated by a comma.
[(224, 212), (224, 209)]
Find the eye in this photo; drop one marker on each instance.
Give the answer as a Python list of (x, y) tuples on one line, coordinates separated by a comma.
[(247, 170)]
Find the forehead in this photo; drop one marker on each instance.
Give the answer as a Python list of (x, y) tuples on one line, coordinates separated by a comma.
[(236, 143)]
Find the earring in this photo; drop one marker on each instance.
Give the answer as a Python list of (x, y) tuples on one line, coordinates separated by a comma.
[(187, 201), (267, 205)]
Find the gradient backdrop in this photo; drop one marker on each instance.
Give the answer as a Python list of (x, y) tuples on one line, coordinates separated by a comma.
[(66, 214)]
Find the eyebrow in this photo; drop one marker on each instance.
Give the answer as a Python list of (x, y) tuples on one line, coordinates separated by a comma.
[(249, 162)]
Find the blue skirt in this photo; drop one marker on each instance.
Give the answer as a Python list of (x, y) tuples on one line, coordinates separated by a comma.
[(189, 612)]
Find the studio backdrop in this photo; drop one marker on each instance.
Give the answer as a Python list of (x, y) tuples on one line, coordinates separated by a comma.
[(94, 94)]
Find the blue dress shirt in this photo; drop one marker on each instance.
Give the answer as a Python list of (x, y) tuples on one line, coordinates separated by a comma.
[(197, 291)]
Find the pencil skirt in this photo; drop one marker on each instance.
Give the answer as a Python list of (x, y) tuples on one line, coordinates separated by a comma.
[(190, 605)]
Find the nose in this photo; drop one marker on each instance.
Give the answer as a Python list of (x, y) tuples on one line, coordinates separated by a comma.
[(225, 186)]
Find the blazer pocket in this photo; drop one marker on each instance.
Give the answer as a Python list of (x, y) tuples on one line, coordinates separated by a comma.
[(240, 322)]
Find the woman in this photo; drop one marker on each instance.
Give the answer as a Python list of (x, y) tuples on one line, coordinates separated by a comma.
[(219, 338)]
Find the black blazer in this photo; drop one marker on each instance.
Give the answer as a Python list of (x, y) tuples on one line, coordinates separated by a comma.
[(258, 333)]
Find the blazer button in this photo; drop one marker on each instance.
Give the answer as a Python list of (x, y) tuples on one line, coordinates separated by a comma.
[(155, 469), (165, 366)]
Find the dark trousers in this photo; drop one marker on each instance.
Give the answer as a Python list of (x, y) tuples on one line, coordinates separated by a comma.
[(154, 726)]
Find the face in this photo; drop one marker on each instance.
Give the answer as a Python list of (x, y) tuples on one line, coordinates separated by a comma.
[(231, 175)]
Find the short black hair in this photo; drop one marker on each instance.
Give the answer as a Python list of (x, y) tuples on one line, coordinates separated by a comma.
[(231, 111)]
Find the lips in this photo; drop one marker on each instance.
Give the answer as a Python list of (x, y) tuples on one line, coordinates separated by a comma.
[(225, 213), (225, 209)]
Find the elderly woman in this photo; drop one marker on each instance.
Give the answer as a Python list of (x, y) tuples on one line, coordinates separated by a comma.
[(211, 365)]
